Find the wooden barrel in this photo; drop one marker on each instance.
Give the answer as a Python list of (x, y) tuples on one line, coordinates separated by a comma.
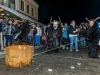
[(19, 56)]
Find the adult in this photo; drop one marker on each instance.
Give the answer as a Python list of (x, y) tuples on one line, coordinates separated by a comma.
[(4, 31), (38, 36), (65, 37), (10, 29), (73, 35), (93, 36), (1, 24)]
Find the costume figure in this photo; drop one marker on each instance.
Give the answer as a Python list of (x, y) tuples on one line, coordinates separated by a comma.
[(93, 36), (22, 36), (54, 34)]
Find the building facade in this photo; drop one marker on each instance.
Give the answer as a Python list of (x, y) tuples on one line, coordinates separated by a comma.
[(25, 9)]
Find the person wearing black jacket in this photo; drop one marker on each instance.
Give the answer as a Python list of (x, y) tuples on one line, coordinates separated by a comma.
[(73, 35), (93, 36), (1, 24), (1, 19), (82, 35)]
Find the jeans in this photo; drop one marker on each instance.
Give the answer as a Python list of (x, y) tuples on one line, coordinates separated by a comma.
[(37, 40), (9, 38), (13, 40), (83, 41), (30, 38), (74, 42)]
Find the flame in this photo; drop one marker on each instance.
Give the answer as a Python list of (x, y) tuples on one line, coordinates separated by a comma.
[(19, 47), (24, 47)]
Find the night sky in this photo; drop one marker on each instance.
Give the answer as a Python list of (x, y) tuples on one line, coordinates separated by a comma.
[(68, 10)]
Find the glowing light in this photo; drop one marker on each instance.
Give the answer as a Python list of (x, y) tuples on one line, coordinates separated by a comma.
[(1, 9), (8, 14), (99, 26), (2, 14), (19, 47)]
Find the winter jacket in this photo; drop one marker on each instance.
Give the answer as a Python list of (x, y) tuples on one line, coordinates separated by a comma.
[(71, 29), (82, 32), (10, 29), (65, 32), (1, 26), (92, 33)]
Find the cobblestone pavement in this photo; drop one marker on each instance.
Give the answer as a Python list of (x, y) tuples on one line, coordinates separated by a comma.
[(62, 63)]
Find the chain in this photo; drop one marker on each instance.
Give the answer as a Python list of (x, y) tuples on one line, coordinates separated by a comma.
[(54, 48)]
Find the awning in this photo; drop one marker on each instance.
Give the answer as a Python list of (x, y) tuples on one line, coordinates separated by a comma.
[(19, 14)]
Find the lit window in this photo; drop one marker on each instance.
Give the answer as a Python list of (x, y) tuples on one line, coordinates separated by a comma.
[(22, 5)]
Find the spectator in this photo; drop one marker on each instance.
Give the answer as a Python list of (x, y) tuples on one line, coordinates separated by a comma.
[(65, 34), (1, 20), (82, 35), (73, 30), (4, 30), (15, 26), (1, 24), (38, 36), (34, 33), (30, 35), (10, 29)]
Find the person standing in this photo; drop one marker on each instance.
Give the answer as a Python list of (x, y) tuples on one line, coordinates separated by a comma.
[(38, 36), (82, 35), (4, 30), (34, 33), (93, 36), (1, 40), (10, 29), (73, 35), (65, 35)]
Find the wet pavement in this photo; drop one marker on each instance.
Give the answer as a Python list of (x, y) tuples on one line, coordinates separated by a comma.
[(62, 63)]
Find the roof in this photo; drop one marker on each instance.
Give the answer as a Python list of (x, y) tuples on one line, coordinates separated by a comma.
[(34, 3), (19, 14)]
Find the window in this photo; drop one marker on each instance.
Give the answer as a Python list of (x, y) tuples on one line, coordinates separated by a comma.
[(32, 12), (1, 2), (6, 3), (28, 9), (12, 4), (22, 5)]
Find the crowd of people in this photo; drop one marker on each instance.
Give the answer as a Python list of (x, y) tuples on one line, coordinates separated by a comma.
[(56, 33)]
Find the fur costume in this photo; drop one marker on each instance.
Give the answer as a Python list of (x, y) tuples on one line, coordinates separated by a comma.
[(93, 36), (22, 38), (53, 36)]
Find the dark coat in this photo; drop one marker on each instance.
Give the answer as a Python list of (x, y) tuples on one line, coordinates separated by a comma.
[(25, 29), (92, 33), (51, 29), (71, 29)]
